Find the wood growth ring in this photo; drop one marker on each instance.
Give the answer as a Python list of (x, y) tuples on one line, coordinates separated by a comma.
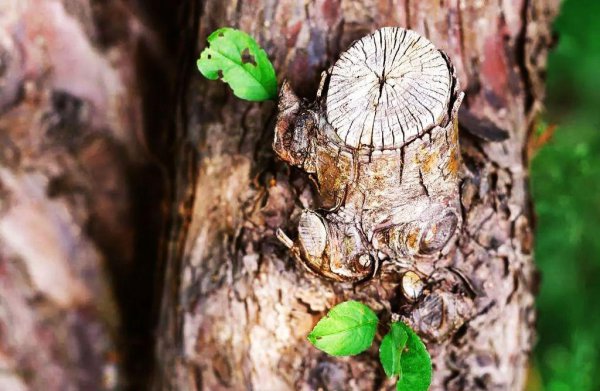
[(387, 89)]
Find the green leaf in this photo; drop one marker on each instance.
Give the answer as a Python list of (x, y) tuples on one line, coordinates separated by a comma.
[(391, 348), (236, 58), (348, 329), (415, 363)]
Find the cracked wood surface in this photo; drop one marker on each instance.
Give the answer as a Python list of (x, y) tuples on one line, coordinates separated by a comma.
[(236, 309), (376, 204), (387, 89)]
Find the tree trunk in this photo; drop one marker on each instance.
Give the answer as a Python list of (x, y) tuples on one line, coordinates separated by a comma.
[(79, 197), (87, 90), (237, 308)]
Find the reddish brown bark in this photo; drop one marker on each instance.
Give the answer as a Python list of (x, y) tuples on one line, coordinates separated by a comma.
[(85, 93), (236, 308), (77, 211)]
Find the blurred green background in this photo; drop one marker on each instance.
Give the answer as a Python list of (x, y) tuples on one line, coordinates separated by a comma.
[(565, 183)]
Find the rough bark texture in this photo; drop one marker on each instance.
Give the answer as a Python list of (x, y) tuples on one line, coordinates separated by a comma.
[(387, 173), (236, 308), (75, 183), (84, 94)]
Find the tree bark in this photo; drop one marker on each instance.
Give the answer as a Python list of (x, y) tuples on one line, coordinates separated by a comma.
[(236, 308), (87, 90), (79, 195)]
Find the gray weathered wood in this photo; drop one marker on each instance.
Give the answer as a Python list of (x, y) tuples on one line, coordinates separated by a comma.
[(387, 89)]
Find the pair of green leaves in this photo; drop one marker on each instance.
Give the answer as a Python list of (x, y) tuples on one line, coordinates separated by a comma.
[(234, 57), (349, 329)]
